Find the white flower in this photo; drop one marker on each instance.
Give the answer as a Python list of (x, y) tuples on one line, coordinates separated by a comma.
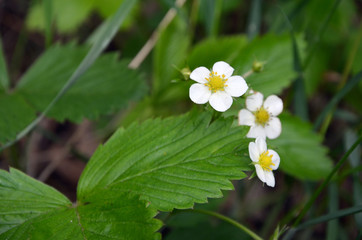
[(265, 160), (262, 116), (217, 87)]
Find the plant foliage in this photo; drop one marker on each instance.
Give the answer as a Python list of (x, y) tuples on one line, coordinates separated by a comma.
[(33, 210), (187, 159), (107, 86), (172, 163), (300, 149)]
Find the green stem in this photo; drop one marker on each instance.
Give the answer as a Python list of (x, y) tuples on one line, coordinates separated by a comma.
[(228, 220), (325, 183), (248, 73)]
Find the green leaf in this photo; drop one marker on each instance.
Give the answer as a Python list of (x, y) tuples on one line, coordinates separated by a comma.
[(211, 50), (109, 30), (33, 210), (106, 87), (22, 199), (300, 150), (276, 53), (68, 15), (169, 54), (15, 114), (171, 163), (4, 77), (117, 215)]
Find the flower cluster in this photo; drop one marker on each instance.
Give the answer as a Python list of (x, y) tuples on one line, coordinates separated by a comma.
[(218, 87)]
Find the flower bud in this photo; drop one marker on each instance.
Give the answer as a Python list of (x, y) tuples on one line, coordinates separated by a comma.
[(257, 66), (186, 72)]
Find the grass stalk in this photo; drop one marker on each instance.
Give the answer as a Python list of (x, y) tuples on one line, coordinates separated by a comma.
[(325, 183)]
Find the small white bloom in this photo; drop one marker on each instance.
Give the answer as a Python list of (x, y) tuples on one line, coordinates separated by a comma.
[(265, 160), (216, 87), (261, 116)]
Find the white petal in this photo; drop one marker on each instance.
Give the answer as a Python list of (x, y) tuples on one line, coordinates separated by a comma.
[(256, 131), (273, 128), (223, 68), (274, 105), (199, 93), (200, 74), (261, 144), (246, 118), (236, 86), (275, 159), (253, 152), (220, 101), (269, 178), (260, 172), (254, 101)]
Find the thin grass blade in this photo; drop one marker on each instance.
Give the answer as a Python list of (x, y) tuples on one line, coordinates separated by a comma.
[(333, 225), (339, 96), (355, 162), (310, 202), (331, 216), (335, 215)]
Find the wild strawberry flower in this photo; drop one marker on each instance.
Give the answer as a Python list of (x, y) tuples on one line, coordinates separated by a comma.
[(216, 87), (262, 116), (265, 160)]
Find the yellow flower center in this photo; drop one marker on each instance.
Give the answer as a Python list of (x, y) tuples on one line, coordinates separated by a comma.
[(216, 82), (265, 161), (261, 116)]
